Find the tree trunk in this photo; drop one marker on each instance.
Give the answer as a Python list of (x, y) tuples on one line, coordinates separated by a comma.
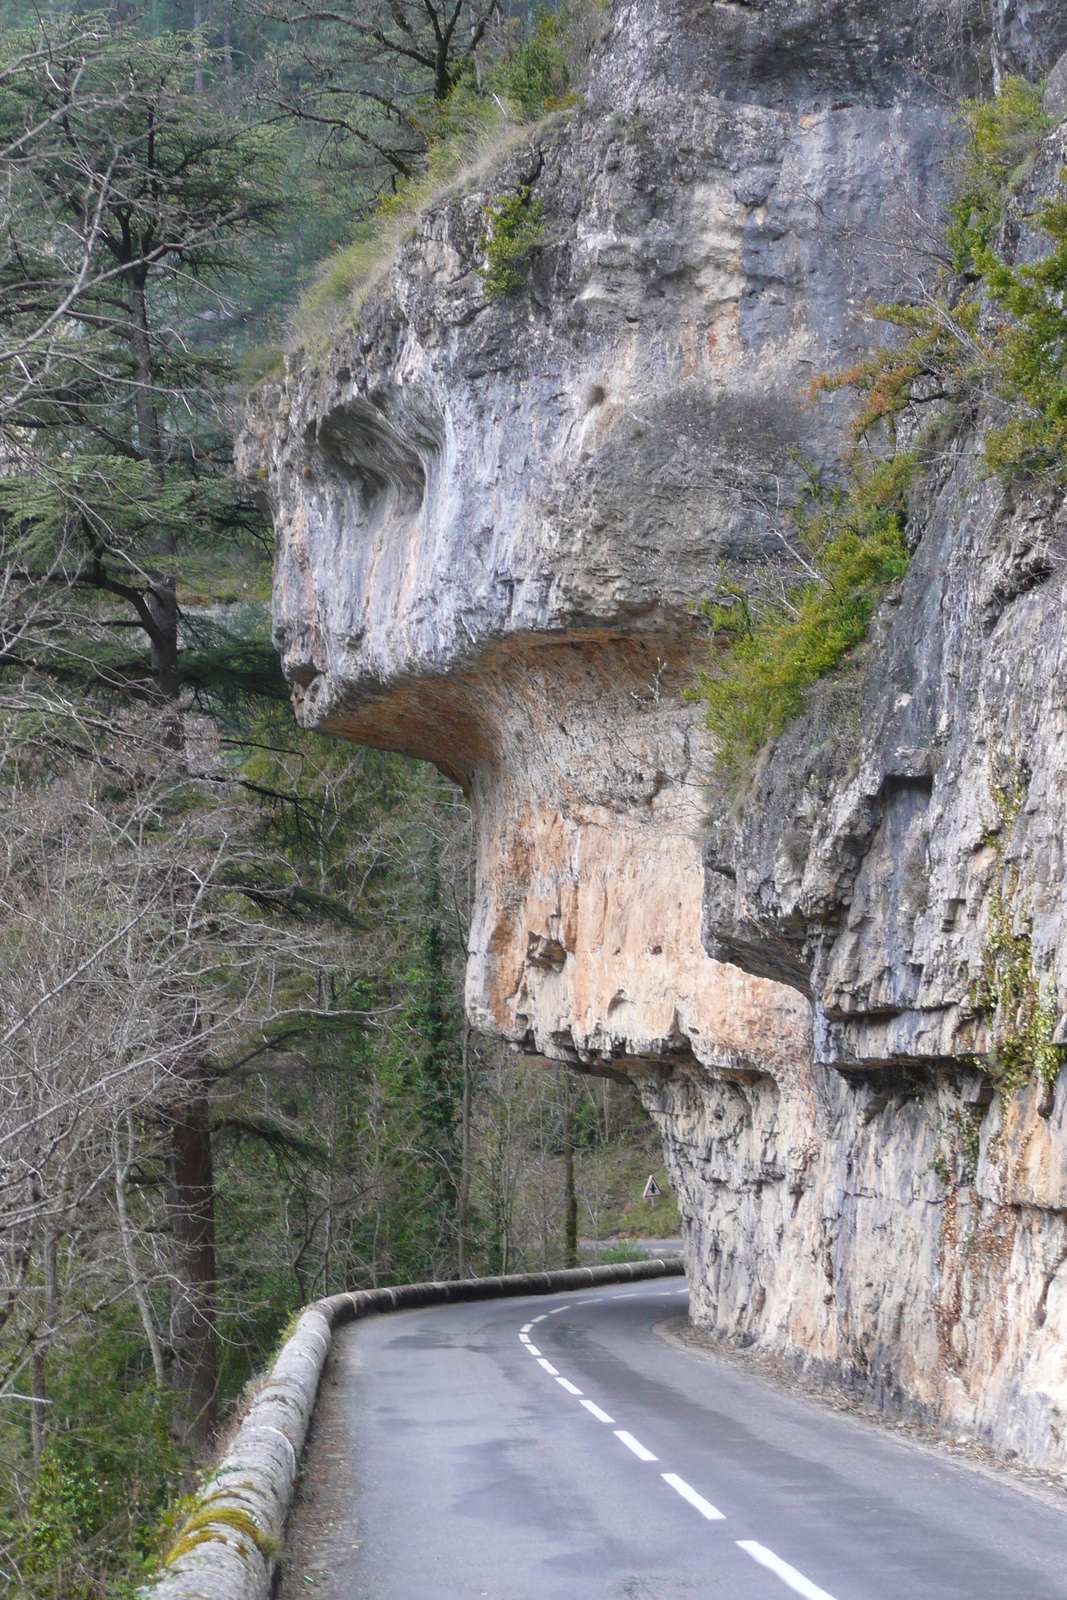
[(192, 1218), (129, 1249), (39, 1406), (442, 78), (161, 598), (465, 1153)]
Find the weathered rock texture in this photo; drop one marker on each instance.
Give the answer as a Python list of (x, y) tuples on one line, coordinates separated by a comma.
[(494, 517)]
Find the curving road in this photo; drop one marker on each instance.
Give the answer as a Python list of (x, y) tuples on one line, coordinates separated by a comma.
[(557, 1447)]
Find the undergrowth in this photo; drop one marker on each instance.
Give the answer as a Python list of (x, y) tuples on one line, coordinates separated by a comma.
[(108, 1471)]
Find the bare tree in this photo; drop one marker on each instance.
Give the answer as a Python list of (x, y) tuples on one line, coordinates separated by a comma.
[(366, 77)]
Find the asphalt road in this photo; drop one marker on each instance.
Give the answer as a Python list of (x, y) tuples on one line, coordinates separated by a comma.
[(557, 1447)]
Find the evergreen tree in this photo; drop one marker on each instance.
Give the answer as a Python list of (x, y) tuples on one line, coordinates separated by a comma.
[(131, 196), (133, 191)]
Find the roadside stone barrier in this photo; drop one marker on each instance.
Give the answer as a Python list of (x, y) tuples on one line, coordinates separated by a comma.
[(231, 1543)]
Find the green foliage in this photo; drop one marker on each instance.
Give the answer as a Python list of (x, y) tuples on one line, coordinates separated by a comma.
[(994, 336), (535, 77), (852, 537), (1000, 138), (118, 480), (108, 1470), (970, 1134), (1031, 367), (1006, 991), (513, 228), (623, 1250)]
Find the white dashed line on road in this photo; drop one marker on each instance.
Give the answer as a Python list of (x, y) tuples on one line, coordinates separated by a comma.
[(635, 1445), (687, 1492), (766, 1558), (789, 1575), (595, 1411)]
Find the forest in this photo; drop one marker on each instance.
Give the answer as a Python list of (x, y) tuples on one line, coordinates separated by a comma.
[(234, 1063)]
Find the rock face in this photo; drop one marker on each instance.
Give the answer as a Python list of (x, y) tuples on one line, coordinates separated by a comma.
[(494, 518)]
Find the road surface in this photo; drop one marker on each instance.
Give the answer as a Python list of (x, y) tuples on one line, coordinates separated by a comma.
[(558, 1448)]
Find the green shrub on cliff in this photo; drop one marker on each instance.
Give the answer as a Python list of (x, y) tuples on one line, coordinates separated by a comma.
[(1031, 367), (852, 539), (1000, 140), (512, 229), (993, 336)]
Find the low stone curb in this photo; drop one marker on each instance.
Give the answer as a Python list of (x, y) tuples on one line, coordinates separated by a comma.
[(231, 1542)]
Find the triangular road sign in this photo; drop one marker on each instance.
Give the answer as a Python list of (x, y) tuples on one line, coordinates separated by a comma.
[(652, 1189)]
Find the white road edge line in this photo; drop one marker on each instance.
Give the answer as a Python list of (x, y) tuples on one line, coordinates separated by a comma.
[(635, 1445), (595, 1411), (686, 1491), (533, 1349), (789, 1575), (568, 1385), (541, 1362)]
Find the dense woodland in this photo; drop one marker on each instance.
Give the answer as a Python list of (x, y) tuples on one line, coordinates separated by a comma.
[(234, 1065)]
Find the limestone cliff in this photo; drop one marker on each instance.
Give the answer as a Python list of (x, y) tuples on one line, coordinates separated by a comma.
[(494, 516)]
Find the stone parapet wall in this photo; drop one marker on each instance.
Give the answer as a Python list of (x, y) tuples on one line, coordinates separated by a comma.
[(233, 1538)]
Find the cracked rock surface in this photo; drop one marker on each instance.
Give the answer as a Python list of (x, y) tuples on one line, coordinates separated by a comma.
[(494, 519)]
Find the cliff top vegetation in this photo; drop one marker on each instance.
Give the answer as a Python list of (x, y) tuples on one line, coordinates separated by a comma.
[(494, 101)]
